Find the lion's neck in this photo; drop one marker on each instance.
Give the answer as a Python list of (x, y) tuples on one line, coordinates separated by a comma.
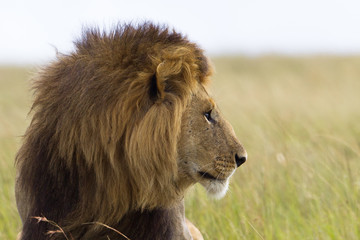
[(155, 224)]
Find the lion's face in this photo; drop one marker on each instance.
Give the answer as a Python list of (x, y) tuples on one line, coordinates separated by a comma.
[(208, 150)]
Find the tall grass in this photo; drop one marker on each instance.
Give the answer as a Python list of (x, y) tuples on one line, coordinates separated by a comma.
[(14, 105), (299, 120)]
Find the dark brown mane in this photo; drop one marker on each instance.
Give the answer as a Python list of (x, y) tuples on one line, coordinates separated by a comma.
[(94, 148)]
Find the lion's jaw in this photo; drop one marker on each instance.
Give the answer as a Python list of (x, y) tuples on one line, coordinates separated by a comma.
[(215, 188), (208, 151)]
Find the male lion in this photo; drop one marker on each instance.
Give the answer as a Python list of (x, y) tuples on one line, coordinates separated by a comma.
[(121, 128)]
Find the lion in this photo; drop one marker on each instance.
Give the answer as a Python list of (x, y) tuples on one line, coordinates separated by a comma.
[(121, 128)]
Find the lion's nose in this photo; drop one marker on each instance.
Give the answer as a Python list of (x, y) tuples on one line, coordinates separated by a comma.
[(239, 160)]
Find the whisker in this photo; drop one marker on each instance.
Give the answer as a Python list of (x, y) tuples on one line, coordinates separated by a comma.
[(207, 165)]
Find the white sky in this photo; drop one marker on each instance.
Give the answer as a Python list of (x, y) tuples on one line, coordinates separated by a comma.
[(30, 29)]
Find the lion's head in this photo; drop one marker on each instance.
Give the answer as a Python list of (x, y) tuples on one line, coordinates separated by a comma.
[(208, 150), (122, 124)]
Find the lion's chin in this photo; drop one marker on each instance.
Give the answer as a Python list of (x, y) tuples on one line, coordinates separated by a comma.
[(215, 188)]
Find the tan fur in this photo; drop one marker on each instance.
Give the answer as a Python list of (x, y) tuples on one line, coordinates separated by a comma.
[(118, 127), (195, 233)]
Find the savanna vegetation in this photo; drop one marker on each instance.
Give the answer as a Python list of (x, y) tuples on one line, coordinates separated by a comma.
[(299, 120)]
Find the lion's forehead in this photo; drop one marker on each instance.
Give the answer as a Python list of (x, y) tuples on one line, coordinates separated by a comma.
[(202, 99)]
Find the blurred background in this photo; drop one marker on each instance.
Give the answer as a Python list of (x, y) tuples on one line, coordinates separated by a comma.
[(31, 30), (287, 78)]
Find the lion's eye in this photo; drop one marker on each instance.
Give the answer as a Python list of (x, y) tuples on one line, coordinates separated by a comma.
[(208, 117)]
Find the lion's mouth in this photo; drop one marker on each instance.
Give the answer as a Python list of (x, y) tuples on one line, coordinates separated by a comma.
[(207, 176)]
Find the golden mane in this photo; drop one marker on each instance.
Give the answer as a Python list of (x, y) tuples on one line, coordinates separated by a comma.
[(96, 148)]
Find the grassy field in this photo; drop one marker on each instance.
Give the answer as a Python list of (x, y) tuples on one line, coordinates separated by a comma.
[(299, 120)]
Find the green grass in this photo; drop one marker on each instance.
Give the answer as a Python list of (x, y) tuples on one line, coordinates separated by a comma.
[(299, 120), (14, 105)]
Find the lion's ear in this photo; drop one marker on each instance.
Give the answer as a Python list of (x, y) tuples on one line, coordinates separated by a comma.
[(157, 88), (164, 71)]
